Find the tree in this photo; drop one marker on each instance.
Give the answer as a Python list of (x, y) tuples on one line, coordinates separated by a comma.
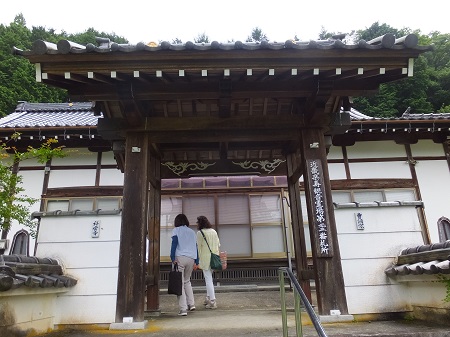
[(90, 34), (377, 29), (17, 75), (257, 35), (13, 204), (201, 38), (425, 92)]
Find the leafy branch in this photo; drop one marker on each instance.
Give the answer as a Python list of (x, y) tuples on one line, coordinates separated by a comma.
[(14, 205)]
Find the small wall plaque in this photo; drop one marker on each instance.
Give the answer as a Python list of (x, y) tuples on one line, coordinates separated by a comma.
[(359, 221), (95, 233)]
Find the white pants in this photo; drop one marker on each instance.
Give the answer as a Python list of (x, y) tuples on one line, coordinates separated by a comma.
[(186, 265), (207, 274)]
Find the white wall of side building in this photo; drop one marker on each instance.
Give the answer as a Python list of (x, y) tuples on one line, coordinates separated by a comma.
[(93, 261), (60, 176), (431, 168), (367, 253), (434, 181), (373, 169)]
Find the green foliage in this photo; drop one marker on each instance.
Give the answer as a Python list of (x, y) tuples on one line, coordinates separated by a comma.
[(446, 281), (324, 34), (376, 30), (257, 35), (427, 91), (90, 34), (201, 38), (14, 205), (17, 75)]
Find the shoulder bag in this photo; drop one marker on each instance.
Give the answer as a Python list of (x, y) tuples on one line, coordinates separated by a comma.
[(215, 262)]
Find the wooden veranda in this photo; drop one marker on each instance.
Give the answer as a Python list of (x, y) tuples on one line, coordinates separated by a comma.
[(183, 110)]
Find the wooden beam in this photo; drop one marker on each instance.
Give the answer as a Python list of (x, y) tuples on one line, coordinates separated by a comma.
[(216, 123), (209, 90), (356, 184), (189, 168)]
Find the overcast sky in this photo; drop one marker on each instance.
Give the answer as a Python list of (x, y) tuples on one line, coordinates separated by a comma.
[(159, 20)]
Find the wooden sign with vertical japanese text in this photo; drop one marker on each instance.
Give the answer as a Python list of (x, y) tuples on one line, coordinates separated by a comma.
[(319, 209)]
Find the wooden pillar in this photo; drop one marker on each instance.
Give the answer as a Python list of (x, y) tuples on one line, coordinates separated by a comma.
[(294, 171), (131, 274), (421, 211), (154, 235), (324, 241)]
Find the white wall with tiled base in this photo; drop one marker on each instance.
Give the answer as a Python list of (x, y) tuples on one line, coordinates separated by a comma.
[(93, 261), (367, 252)]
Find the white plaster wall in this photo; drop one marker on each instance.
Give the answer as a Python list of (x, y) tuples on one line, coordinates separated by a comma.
[(376, 149), (427, 148), (337, 171), (30, 308), (108, 158), (92, 261), (434, 178), (367, 253), (335, 152), (431, 174), (424, 290), (380, 170), (72, 178), (377, 299), (80, 156), (111, 177)]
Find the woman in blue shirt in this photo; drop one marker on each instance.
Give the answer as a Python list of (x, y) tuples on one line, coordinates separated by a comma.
[(184, 253)]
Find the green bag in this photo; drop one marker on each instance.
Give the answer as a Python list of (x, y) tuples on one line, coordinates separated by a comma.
[(214, 262)]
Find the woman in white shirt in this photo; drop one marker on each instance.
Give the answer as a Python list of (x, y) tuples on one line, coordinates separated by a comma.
[(207, 235)]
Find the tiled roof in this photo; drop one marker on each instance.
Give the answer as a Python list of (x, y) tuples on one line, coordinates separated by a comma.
[(35, 115), (387, 41), (424, 259), (430, 116), (32, 272), (358, 116)]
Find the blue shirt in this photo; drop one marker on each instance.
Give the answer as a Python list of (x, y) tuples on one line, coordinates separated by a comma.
[(184, 243)]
